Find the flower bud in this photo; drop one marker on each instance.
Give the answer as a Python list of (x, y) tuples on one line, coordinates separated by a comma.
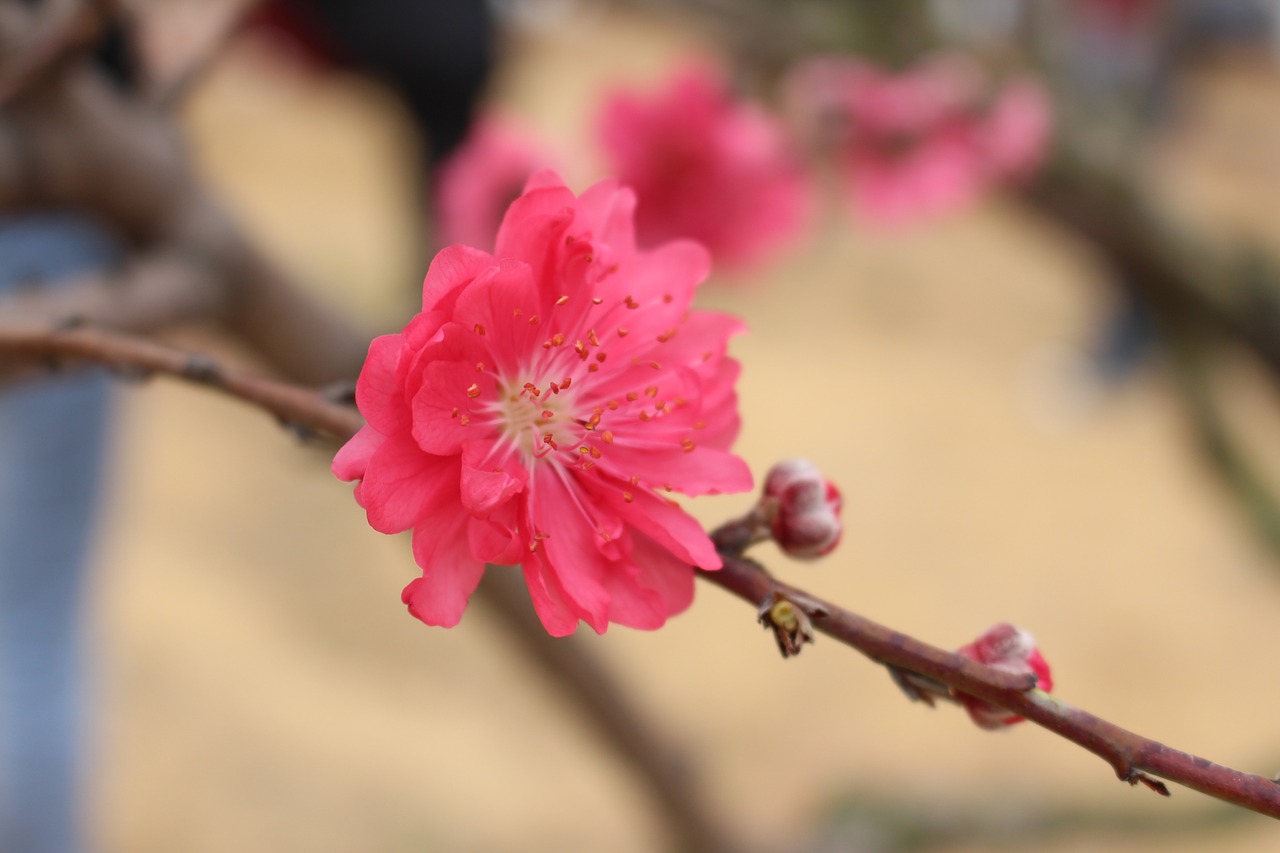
[(805, 509), (1011, 649)]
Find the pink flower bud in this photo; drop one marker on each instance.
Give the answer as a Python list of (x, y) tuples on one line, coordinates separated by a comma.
[(1011, 649), (805, 519)]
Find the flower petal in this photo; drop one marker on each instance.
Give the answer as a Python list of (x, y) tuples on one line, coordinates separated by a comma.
[(452, 269), (491, 476), (558, 615), (353, 457), (570, 546), (402, 485), (668, 525), (379, 396)]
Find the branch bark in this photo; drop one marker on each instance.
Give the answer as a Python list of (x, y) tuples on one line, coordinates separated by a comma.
[(1132, 756)]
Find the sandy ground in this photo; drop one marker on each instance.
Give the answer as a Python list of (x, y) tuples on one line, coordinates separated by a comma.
[(262, 688)]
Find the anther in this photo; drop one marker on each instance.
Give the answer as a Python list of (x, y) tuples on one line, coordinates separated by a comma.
[(479, 329), (473, 391), (562, 300)]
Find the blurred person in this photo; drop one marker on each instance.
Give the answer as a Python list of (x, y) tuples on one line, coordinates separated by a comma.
[(53, 445), (434, 56), (54, 430), (52, 449)]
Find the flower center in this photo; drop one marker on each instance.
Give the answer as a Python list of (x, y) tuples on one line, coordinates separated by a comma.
[(536, 417)]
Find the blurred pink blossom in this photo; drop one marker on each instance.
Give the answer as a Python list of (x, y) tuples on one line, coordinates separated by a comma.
[(919, 142), (541, 410), (1016, 132), (479, 180), (708, 166)]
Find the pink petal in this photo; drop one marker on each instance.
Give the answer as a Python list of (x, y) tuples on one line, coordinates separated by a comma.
[(452, 268), (669, 526), (449, 572), (379, 396), (442, 403), (558, 616), (498, 539), (534, 223), (353, 457), (570, 549), (491, 476), (498, 307), (441, 599), (402, 485), (704, 471)]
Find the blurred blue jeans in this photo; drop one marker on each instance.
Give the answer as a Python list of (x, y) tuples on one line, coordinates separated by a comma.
[(52, 446)]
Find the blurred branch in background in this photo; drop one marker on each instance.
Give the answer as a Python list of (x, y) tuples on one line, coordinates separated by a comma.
[(73, 140)]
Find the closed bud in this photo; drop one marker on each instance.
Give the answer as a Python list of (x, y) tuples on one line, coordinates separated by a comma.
[(803, 509), (1011, 649)]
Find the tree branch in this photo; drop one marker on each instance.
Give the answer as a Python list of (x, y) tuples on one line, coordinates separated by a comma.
[(303, 409), (1132, 756), (309, 412)]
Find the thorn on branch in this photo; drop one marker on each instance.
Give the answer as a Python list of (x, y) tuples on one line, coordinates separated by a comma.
[(790, 624), (302, 433), (341, 393), (201, 368), (1134, 777), (920, 688)]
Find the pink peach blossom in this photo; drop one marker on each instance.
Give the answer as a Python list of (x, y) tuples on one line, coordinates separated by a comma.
[(919, 142), (541, 410), (1016, 130), (1011, 649), (707, 166), (480, 179)]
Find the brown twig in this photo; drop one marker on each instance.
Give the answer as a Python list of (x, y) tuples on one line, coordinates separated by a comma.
[(1132, 756), (294, 406)]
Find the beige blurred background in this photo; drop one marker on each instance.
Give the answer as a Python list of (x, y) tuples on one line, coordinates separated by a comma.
[(262, 688)]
